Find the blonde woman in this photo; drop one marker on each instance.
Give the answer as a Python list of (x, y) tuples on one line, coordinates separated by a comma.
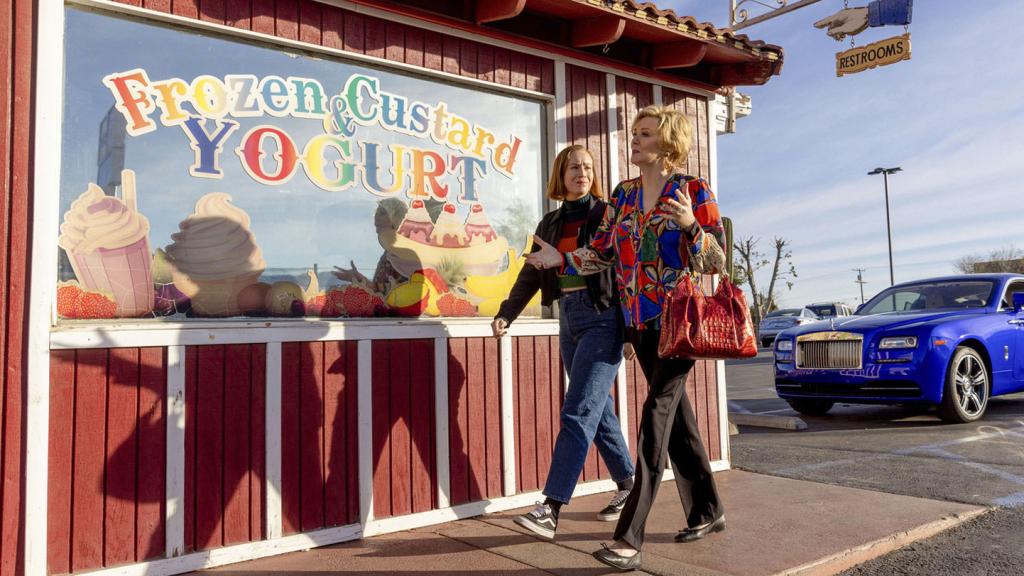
[(590, 340), (656, 229)]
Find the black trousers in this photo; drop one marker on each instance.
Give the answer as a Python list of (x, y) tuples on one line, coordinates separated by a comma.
[(667, 428)]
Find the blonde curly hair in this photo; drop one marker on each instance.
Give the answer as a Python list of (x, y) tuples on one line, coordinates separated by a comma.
[(675, 133)]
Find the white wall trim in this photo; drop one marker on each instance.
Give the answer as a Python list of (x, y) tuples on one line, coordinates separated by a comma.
[(297, 542), (561, 128), (45, 210), (365, 425), (441, 423), (612, 107), (508, 425), (131, 334), (174, 511), (656, 94), (272, 482), (723, 413)]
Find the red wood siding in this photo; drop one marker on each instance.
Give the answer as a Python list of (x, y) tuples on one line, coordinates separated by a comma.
[(324, 25), (225, 414), (17, 26), (474, 413), (632, 96), (404, 481), (586, 113), (537, 383), (319, 435), (107, 443)]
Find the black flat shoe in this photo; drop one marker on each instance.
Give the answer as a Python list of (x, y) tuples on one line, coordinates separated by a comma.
[(608, 556), (698, 532)]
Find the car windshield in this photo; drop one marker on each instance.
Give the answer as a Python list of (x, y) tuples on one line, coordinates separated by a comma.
[(930, 296), (784, 312), (823, 311)]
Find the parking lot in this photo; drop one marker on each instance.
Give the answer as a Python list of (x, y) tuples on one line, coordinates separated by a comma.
[(901, 451)]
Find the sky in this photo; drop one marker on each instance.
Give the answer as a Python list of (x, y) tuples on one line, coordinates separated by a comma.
[(797, 166)]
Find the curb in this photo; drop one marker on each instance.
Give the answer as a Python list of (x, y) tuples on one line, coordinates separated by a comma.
[(767, 421), (849, 558)]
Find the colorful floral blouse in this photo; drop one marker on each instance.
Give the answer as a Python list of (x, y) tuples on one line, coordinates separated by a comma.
[(650, 251)]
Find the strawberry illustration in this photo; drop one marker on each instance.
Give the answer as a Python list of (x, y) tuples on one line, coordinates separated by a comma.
[(451, 305), (358, 302), (464, 308), (68, 294), (96, 305)]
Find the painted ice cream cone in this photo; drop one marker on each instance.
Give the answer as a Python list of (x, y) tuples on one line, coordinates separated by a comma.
[(107, 242), (478, 228), (416, 225), (448, 231), (214, 256)]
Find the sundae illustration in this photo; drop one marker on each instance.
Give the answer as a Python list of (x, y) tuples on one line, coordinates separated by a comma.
[(419, 243), (107, 242), (214, 256)]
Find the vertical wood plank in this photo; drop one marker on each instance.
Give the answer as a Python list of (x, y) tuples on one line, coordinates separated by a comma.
[(556, 378), (517, 66), (257, 471), (353, 435), (213, 11), (401, 461), (394, 42), (333, 27), (433, 50), (458, 420), (376, 37), (468, 59), (492, 409), (354, 38), (334, 434), (502, 66), (191, 418), (121, 456), (542, 417), (526, 424), (421, 426), (516, 399), (210, 447), (87, 487), (450, 54), (534, 74), (381, 444), (263, 16), (238, 13), (237, 435), (150, 539), (476, 417), (310, 22), (311, 417), (291, 446), (286, 19), (485, 62), (186, 8), (414, 46), (61, 459)]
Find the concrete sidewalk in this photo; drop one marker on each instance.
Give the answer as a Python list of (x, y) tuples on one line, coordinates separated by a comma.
[(775, 526)]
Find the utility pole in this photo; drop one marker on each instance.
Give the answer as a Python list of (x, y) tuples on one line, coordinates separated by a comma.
[(860, 280)]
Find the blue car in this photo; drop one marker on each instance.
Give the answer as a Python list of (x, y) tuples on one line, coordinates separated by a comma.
[(953, 342)]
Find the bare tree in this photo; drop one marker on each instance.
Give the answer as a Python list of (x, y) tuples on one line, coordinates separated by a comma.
[(1006, 259), (751, 260)]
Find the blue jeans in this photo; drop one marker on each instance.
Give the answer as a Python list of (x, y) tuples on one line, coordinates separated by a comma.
[(591, 346)]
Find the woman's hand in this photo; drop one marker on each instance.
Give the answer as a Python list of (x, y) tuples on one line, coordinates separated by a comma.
[(680, 212), (628, 352), (547, 257), (499, 327)]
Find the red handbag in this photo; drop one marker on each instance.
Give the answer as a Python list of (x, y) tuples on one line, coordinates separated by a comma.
[(697, 326)]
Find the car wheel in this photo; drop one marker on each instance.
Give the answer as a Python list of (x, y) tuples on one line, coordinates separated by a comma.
[(811, 407), (965, 395)]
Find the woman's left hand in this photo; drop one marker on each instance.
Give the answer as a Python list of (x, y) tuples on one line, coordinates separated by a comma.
[(680, 212)]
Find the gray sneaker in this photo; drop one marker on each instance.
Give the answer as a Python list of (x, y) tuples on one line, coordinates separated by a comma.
[(541, 521), (613, 510)]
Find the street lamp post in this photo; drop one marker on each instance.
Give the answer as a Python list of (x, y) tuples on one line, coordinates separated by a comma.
[(888, 227)]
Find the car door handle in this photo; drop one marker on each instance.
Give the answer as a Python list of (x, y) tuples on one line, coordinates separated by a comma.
[(1018, 322)]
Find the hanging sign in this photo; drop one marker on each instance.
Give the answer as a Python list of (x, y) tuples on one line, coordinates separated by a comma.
[(881, 53)]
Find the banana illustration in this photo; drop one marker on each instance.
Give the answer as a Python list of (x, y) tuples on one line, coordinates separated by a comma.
[(494, 289)]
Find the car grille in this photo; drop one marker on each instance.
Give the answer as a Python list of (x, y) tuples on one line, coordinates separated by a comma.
[(829, 350), (872, 389)]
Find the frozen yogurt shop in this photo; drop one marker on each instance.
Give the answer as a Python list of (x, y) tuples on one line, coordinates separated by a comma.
[(253, 249)]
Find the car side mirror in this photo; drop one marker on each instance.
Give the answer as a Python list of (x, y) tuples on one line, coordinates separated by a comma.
[(1018, 301)]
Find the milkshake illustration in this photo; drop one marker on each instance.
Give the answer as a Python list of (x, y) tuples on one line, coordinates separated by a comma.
[(107, 242), (214, 256)]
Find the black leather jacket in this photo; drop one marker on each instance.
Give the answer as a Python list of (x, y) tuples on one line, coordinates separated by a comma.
[(601, 286)]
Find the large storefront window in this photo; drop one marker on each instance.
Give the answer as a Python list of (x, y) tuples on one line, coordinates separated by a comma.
[(204, 177)]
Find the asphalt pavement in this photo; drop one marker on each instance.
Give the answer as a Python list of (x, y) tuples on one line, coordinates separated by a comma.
[(905, 451)]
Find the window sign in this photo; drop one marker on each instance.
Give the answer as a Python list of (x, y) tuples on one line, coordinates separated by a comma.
[(205, 177)]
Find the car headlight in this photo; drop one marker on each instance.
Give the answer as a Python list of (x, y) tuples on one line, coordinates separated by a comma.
[(898, 342), (784, 345)]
